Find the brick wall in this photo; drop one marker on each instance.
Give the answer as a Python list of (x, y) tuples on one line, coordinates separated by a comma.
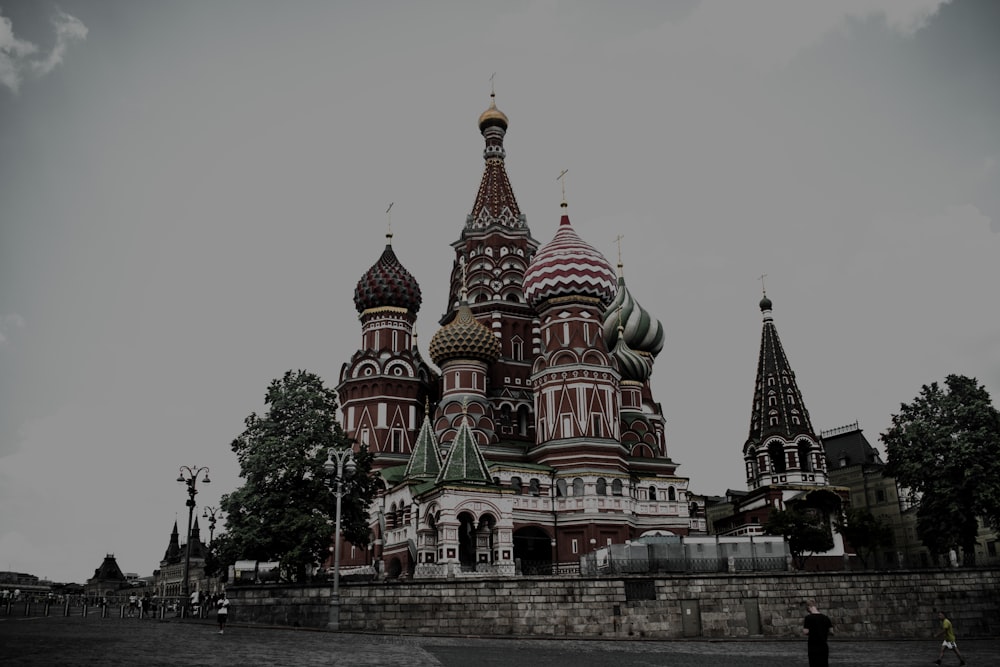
[(875, 604)]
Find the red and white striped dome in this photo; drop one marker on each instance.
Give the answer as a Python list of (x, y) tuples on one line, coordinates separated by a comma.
[(568, 266)]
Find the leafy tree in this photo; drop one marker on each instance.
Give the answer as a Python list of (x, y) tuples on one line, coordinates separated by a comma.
[(284, 510), (945, 446), (804, 531), (864, 531)]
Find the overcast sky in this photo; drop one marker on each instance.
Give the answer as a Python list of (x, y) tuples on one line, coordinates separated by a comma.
[(189, 192)]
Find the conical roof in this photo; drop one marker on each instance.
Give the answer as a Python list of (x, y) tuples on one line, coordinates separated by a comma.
[(495, 203), (778, 407), (425, 461), (387, 283), (642, 331), (569, 266), (465, 462), (173, 552)]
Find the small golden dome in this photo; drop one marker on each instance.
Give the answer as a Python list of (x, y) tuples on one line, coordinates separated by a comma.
[(492, 116)]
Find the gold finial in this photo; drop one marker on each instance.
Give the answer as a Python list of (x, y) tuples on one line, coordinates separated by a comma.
[(493, 92), (427, 406), (761, 279), (388, 217), (618, 240), (562, 181)]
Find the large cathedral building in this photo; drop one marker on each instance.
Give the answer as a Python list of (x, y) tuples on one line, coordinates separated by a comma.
[(533, 437)]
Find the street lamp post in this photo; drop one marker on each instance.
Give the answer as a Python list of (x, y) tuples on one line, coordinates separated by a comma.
[(339, 465), (210, 514), (189, 476)]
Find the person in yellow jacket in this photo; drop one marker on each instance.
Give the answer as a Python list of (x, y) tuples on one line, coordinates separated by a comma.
[(947, 633)]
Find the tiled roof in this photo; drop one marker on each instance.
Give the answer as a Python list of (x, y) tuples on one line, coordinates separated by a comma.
[(387, 283), (465, 462), (425, 460), (778, 401)]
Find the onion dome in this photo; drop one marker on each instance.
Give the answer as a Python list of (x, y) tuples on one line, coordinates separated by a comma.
[(464, 338), (632, 365), (765, 304), (387, 283), (568, 266), (492, 117), (642, 331)]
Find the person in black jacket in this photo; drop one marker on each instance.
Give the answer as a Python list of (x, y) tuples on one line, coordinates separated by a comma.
[(817, 627)]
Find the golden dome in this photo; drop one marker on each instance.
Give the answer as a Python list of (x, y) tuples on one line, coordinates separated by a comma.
[(492, 116)]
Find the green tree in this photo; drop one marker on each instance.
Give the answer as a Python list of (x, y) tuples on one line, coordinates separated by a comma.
[(284, 510), (945, 446), (804, 529), (864, 531)]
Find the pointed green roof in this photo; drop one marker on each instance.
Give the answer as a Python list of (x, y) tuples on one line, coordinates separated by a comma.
[(465, 461), (425, 461)]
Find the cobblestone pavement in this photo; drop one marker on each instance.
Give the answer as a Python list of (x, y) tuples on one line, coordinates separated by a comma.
[(110, 642)]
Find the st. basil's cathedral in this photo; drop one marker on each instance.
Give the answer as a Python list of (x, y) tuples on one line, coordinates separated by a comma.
[(535, 437)]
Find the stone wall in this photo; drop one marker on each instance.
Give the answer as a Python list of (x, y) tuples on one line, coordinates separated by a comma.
[(866, 604)]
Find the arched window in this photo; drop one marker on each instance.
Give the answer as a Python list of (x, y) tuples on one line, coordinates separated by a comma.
[(652, 493), (805, 459), (505, 415), (602, 486), (671, 493), (777, 454), (616, 487), (577, 487), (522, 420), (515, 483), (533, 486), (561, 488)]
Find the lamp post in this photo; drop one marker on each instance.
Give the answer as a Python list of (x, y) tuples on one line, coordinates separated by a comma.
[(210, 514), (189, 476), (339, 465)]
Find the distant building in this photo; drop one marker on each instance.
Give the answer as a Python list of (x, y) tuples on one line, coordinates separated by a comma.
[(107, 581), (854, 463), (169, 579)]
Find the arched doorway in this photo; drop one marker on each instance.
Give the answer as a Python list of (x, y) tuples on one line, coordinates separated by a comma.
[(467, 541), (533, 549)]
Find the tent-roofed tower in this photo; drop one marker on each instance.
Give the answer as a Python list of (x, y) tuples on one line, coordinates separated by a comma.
[(782, 447), (493, 252)]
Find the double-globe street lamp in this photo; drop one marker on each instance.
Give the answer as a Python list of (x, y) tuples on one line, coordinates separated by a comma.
[(210, 514), (189, 476), (339, 465)]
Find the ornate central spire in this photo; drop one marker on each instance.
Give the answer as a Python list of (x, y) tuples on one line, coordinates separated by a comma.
[(495, 203)]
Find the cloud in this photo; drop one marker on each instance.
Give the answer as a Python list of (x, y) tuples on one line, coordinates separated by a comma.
[(766, 35), (8, 322), (19, 57)]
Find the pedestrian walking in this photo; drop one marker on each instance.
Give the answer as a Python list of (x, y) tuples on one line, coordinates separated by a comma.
[(817, 627), (222, 613), (947, 634)]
